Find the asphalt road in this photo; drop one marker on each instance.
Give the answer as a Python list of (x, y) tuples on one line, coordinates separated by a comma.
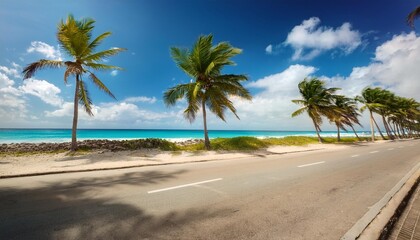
[(312, 195)]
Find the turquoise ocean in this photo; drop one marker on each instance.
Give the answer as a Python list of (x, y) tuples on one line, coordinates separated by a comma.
[(64, 135)]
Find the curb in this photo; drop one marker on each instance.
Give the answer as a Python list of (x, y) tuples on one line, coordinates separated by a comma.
[(136, 166), (371, 225)]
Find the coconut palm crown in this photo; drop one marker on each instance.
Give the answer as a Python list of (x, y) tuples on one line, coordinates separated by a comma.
[(75, 38), (208, 87), (371, 99), (317, 101)]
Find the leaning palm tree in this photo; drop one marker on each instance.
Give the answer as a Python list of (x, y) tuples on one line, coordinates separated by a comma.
[(208, 87), (370, 98), (74, 37), (347, 114), (316, 101)]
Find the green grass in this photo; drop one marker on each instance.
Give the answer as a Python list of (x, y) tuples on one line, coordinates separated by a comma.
[(252, 143), (229, 144), (291, 141)]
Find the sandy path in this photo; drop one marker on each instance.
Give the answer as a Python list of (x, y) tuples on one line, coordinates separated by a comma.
[(50, 163)]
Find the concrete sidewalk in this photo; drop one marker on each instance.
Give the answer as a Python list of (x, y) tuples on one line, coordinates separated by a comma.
[(408, 226)]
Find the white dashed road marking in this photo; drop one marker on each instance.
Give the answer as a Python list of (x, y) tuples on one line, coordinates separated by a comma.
[(374, 151), (185, 185), (310, 164), (355, 155)]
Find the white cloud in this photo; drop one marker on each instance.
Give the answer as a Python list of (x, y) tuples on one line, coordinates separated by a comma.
[(114, 73), (120, 114), (13, 72), (45, 49), (5, 81), (269, 49), (284, 82), (309, 39), (141, 99), (272, 107), (46, 91), (395, 67), (12, 105)]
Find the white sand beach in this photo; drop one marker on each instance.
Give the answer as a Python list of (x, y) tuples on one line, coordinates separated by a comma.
[(61, 162)]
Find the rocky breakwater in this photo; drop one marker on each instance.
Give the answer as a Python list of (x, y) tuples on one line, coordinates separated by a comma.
[(107, 145)]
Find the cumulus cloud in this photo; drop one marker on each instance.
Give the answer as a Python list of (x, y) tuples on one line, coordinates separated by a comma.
[(5, 81), (13, 72), (309, 39), (141, 99), (114, 73), (395, 67), (271, 108), (46, 50), (12, 105), (117, 114), (269, 49), (46, 91), (284, 82)]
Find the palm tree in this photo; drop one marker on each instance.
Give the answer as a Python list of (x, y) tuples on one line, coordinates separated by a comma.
[(387, 100), (346, 115), (208, 87), (371, 97), (74, 38), (316, 101)]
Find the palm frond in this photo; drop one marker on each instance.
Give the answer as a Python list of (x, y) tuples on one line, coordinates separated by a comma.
[(183, 61), (193, 103), (30, 69), (218, 102), (175, 93), (100, 84), (102, 55), (299, 101), (98, 40), (84, 98), (99, 66), (299, 111), (412, 16)]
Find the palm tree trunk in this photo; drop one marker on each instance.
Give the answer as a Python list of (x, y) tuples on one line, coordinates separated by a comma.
[(206, 135), (377, 127), (387, 129), (402, 130), (338, 133), (317, 131), (372, 129), (75, 116), (398, 130), (355, 133)]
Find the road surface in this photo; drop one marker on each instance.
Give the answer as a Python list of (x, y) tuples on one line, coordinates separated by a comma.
[(311, 195)]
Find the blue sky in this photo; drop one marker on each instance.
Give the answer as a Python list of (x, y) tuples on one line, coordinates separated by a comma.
[(350, 44)]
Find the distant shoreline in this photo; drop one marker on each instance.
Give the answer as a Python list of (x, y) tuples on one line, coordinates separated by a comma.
[(8, 136)]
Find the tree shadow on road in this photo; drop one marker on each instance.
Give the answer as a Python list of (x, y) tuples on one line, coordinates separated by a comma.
[(77, 210)]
